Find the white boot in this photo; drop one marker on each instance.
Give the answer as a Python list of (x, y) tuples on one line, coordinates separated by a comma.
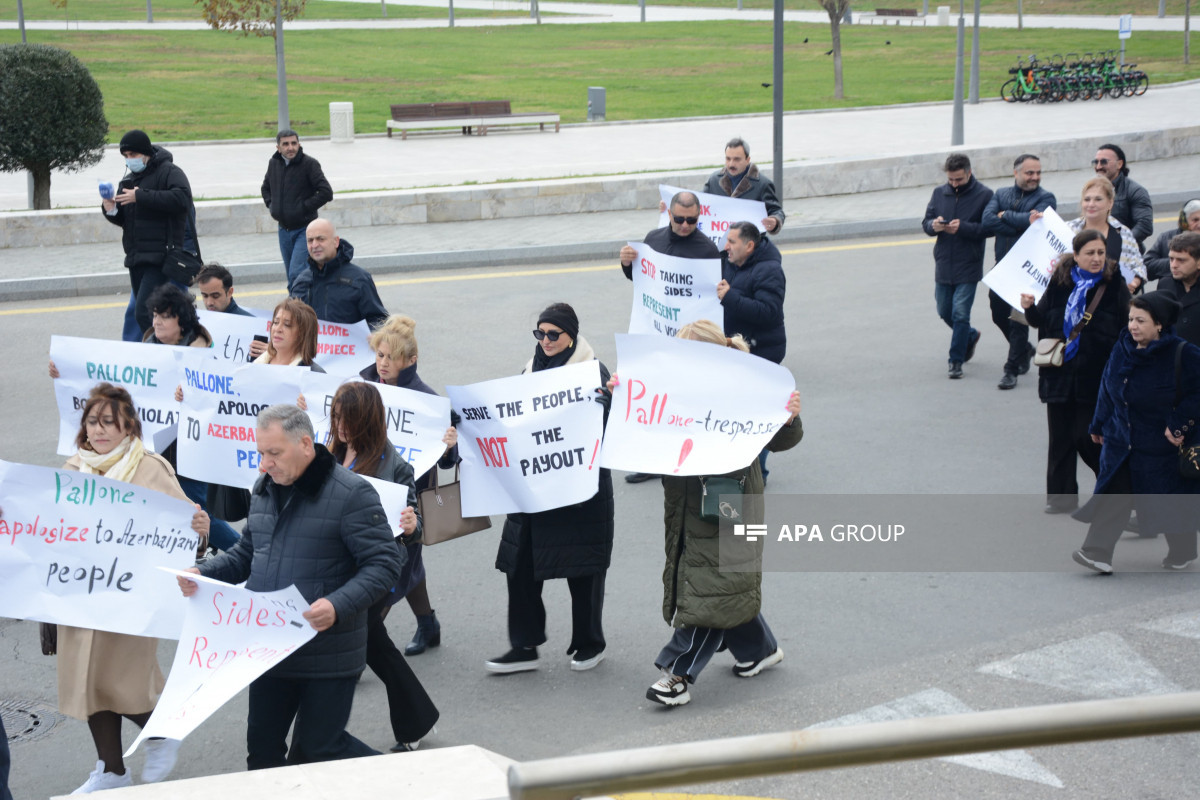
[(160, 759)]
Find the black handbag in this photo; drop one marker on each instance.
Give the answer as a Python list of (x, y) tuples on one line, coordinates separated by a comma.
[(1189, 456), (712, 509), (179, 264)]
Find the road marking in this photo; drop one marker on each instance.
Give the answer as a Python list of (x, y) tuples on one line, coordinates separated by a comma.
[(935, 702), (1104, 665), (678, 796), (1187, 625)]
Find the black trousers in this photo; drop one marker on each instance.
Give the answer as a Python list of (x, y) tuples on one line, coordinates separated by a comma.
[(412, 712), (4, 763), (144, 280), (1016, 334), (1068, 427), (690, 649), (320, 708), (1112, 513), (527, 613)]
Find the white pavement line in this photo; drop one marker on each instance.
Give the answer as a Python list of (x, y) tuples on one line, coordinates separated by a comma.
[(1186, 625), (935, 702), (1104, 665)]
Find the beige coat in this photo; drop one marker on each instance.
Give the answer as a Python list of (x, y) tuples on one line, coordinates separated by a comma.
[(104, 671)]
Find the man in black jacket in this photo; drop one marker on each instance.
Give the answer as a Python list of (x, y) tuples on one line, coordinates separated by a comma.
[(1181, 284), (741, 179), (1131, 202), (337, 289), (955, 216), (294, 190)]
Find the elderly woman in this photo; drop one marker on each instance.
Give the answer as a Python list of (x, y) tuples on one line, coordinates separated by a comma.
[(1148, 407), (104, 676), (1158, 257), (174, 319), (395, 346), (359, 443), (1095, 206), (572, 542), (1085, 306), (293, 340), (710, 609)]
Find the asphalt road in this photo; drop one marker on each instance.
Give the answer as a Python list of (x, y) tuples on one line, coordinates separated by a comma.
[(868, 353)]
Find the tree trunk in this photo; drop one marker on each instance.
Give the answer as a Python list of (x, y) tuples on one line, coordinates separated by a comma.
[(41, 187), (835, 22), (280, 69)]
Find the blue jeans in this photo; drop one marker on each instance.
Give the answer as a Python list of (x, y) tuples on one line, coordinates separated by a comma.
[(221, 534), (954, 301), (293, 247)]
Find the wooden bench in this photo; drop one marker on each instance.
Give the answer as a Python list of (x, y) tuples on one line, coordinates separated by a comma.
[(481, 114), (893, 15)]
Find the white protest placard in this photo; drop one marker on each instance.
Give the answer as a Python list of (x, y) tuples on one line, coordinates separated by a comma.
[(149, 372), (691, 408), (394, 499), (341, 348), (529, 443), (717, 212), (669, 292), (218, 416), (233, 333), (84, 550), (416, 421), (230, 636), (1027, 267)]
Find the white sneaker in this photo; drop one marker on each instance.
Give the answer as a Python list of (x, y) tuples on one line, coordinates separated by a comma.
[(99, 780), (160, 759), (748, 669), (669, 690)]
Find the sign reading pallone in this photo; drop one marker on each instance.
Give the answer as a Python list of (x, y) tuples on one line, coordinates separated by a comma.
[(669, 292)]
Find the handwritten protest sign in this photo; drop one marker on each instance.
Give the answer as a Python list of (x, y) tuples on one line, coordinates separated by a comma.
[(341, 349), (691, 408), (149, 372), (717, 212), (83, 550), (1027, 267), (218, 415), (529, 443), (416, 421), (233, 333), (230, 636), (669, 292)]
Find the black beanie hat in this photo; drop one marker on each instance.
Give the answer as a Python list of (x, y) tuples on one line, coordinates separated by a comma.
[(563, 316), (1163, 307), (136, 141)]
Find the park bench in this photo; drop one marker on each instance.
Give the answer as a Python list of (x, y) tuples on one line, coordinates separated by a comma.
[(893, 16), (481, 114)]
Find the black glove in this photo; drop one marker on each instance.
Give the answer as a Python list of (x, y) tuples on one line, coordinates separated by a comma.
[(603, 397)]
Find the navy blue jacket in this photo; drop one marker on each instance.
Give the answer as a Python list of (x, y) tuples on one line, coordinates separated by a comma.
[(754, 303), (958, 258), (340, 291), (1016, 205)]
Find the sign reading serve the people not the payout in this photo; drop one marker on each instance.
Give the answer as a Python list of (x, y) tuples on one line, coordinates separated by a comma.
[(717, 212), (669, 292)]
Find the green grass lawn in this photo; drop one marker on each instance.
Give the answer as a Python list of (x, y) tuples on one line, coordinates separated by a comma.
[(175, 10), (1138, 7), (215, 85)]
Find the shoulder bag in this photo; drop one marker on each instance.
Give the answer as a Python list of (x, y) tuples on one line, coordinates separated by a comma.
[(180, 265), (711, 489), (1050, 352), (441, 512), (1189, 457)]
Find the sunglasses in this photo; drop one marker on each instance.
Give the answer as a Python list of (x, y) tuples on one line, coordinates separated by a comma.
[(685, 220), (551, 335), (1099, 162)]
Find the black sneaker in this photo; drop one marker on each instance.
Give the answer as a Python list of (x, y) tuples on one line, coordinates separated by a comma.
[(585, 658), (975, 337), (639, 477), (1099, 566), (1177, 565), (1026, 359), (1009, 381), (955, 371), (519, 659)]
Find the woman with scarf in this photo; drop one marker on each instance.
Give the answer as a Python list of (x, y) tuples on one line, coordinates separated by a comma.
[(1069, 391), (395, 346), (572, 542), (1149, 406), (293, 340), (104, 676), (359, 442)]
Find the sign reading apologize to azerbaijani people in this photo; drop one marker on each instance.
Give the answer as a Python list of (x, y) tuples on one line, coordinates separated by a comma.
[(218, 416), (717, 212), (233, 333), (669, 292), (529, 443), (691, 408), (416, 421), (341, 348), (1027, 267), (84, 550), (149, 372), (230, 636)]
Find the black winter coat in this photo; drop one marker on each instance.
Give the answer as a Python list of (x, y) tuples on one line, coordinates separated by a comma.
[(958, 258), (340, 291), (331, 539), (754, 303), (294, 192), (160, 215), (670, 243), (1187, 326), (1132, 207), (751, 186), (1078, 380), (1016, 205), (1158, 258)]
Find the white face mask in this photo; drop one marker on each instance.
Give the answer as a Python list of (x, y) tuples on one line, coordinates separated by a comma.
[(135, 164)]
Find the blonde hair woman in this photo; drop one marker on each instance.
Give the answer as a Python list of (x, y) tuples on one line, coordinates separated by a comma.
[(1095, 209)]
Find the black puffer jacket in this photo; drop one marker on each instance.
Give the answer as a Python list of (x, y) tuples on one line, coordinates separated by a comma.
[(958, 257), (1132, 207), (328, 536), (340, 291), (164, 198), (1158, 258), (294, 192), (754, 303)]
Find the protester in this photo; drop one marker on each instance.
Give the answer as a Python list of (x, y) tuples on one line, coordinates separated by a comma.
[(572, 542), (174, 320), (104, 676), (741, 179), (338, 289), (1180, 284), (1095, 205), (709, 608), (293, 338), (1131, 202), (294, 189), (359, 442), (395, 346), (315, 526), (1069, 391), (216, 290), (1149, 401), (1157, 258)]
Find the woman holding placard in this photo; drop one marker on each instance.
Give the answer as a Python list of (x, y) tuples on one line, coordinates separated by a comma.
[(395, 346), (1084, 307), (572, 542), (293, 341), (358, 440), (104, 676), (709, 609), (1095, 207)]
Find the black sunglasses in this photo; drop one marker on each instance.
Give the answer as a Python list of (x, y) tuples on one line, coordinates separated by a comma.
[(687, 220), (551, 335), (1099, 162)]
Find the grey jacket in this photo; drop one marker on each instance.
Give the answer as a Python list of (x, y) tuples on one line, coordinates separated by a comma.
[(752, 186), (1132, 206)]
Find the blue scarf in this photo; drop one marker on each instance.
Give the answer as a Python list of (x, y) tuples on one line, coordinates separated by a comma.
[(1076, 305)]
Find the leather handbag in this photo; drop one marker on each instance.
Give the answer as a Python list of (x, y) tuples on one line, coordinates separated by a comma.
[(1049, 352), (1189, 456), (712, 509), (441, 512), (48, 632)]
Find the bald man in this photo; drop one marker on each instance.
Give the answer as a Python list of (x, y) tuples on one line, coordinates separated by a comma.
[(336, 288)]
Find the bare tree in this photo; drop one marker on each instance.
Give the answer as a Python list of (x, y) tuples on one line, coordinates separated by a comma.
[(836, 9)]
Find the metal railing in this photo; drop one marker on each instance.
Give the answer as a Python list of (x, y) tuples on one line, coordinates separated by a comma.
[(804, 750)]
